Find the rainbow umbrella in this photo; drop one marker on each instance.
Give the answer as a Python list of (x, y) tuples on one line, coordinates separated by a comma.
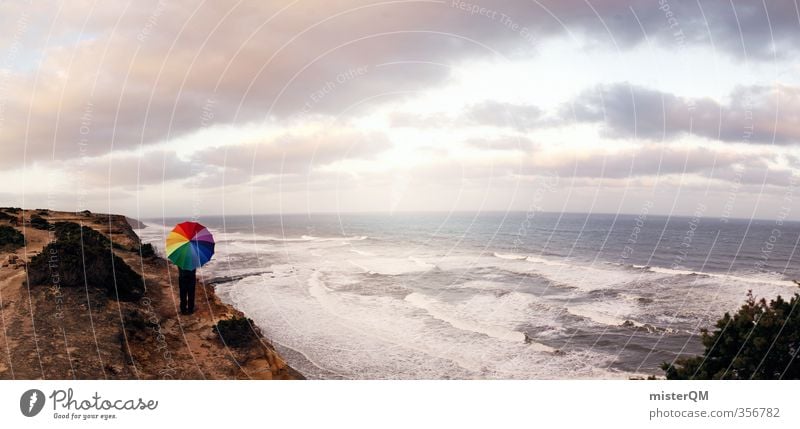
[(190, 245)]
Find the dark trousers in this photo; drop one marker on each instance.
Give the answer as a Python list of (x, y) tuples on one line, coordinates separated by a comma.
[(187, 296)]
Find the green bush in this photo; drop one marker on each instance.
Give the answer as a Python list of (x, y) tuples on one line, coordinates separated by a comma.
[(71, 231), (10, 238), (38, 222), (81, 256), (236, 331), (147, 250), (761, 341)]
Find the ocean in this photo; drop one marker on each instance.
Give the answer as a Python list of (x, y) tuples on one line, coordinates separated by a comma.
[(490, 295)]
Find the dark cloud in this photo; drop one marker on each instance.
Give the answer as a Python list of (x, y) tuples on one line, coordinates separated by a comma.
[(756, 172), (751, 115), (153, 70)]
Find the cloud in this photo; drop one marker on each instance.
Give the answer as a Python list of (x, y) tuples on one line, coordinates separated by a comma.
[(520, 117), (510, 142), (138, 74), (756, 114), (416, 120), (645, 161), (294, 153), (131, 170), (505, 115)]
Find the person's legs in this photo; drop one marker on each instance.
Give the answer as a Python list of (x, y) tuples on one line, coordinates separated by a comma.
[(190, 297), (184, 292)]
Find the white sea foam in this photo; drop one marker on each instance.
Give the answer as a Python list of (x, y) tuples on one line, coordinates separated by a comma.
[(354, 336), (422, 263), (439, 311), (550, 262), (605, 316), (510, 256), (361, 252), (775, 279), (389, 266)]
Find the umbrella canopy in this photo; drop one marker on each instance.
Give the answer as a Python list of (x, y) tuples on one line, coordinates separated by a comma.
[(190, 245)]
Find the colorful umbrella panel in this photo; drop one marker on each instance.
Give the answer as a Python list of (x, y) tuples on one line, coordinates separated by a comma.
[(190, 245)]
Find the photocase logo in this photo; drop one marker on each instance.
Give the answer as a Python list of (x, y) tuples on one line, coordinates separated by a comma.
[(31, 402)]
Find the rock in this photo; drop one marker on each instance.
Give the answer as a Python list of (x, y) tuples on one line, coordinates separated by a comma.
[(279, 363), (205, 345), (168, 325)]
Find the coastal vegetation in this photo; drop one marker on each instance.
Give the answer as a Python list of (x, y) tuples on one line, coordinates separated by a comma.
[(10, 238), (81, 256), (39, 222), (236, 331), (761, 341), (147, 250), (7, 217)]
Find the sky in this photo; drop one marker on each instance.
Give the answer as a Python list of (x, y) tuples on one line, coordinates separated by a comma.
[(190, 108)]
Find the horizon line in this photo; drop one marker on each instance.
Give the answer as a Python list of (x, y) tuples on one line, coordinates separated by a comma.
[(411, 212), (443, 212)]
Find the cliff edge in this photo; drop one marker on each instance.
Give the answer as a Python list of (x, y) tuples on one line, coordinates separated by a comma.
[(81, 299)]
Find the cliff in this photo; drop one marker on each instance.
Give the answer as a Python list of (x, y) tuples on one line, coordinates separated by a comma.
[(59, 323)]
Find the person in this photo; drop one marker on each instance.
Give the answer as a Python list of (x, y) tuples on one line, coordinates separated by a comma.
[(187, 279)]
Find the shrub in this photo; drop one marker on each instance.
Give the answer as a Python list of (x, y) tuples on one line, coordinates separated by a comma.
[(38, 222), (14, 210), (147, 250), (236, 331), (81, 256), (761, 341), (42, 212), (10, 238), (71, 231), (6, 216)]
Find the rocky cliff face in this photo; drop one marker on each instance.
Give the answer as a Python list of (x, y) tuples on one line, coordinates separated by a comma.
[(54, 329)]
